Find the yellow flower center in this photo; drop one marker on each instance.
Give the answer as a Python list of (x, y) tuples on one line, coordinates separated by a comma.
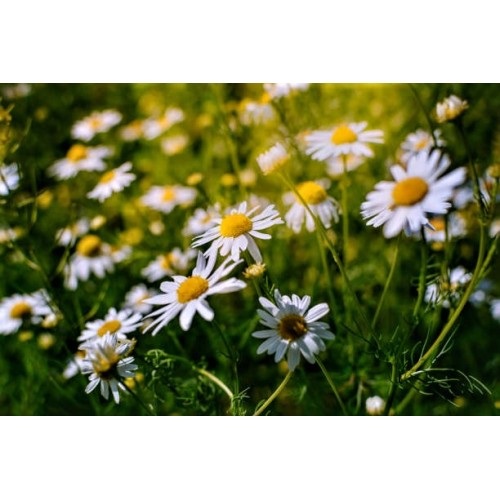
[(89, 246), (104, 365), (312, 193), (410, 191), (438, 223), (168, 260), (20, 310), (292, 327), (421, 144), (343, 135), (110, 326), (107, 177), (168, 194), (265, 98), (235, 225), (191, 289), (76, 153), (95, 123)]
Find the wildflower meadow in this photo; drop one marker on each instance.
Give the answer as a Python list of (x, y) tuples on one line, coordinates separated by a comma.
[(249, 249)]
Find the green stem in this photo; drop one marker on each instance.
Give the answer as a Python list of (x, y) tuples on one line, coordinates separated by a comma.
[(217, 381), (274, 395), (451, 322), (329, 282), (332, 385), (345, 213), (426, 113), (387, 283), (393, 390), (422, 278), (138, 399)]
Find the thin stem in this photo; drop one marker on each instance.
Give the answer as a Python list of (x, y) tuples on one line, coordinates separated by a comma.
[(274, 395), (387, 282), (326, 270), (138, 399), (332, 385), (426, 113), (217, 381), (422, 277), (451, 322), (393, 390), (345, 212)]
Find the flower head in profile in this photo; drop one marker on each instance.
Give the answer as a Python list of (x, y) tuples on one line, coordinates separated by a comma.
[(416, 192), (80, 158), (419, 141), (273, 159), (92, 256), (9, 178), (188, 295), (292, 328), (22, 308), (119, 323), (113, 181), (108, 363), (166, 198), (344, 139), (154, 127), (96, 123), (450, 108), (235, 232), (319, 202), (168, 264)]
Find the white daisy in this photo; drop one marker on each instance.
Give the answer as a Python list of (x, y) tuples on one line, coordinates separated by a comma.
[(119, 323), (168, 264), (114, 181), (166, 198), (419, 141), (108, 364), (20, 308), (92, 256), (154, 127), (174, 145), (457, 228), (345, 139), (273, 159), (336, 165), (450, 108), (323, 206), (95, 123), (80, 158), (292, 329), (9, 178), (465, 195), (235, 232), (416, 192), (188, 295), (446, 292), (133, 131), (258, 112), (279, 90), (67, 236), (75, 365), (375, 405), (201, 220), (135, 298)]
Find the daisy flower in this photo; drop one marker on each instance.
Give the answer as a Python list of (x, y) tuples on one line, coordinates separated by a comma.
[(154, 127), (437, 233), (416, 192), (75, 365), (465, 195), (108, 364), (201, 220), (174, 145), (166, 198), (446, 292), (337, 165), (273, 159), (279, 90), (344, 139), (92, 256), (235, 232), (68, 235), (118, 323), (97, 122), (375, 405), (9, 178), (133, 131), (292, 329), (258, 112), (323, 206), (168, 264), (80, 158), (114, 181), (134, 299), (188, 295), (450, 108), (20, 308), (419, 141)]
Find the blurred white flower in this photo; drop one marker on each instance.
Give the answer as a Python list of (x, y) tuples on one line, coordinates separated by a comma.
[(80, 158), (113, 181), (95, 123), (450, 108), (166, 198), (9, 178)]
